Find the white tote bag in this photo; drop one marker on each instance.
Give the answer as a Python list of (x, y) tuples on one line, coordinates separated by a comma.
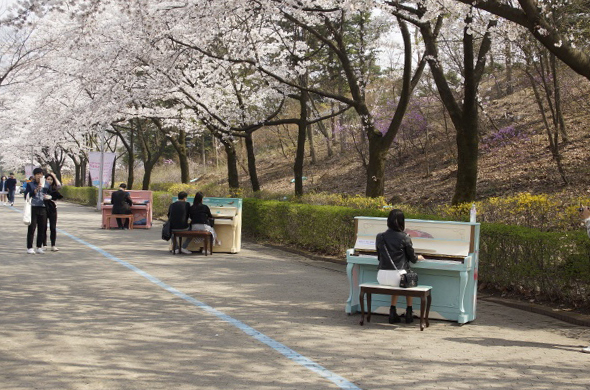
[(27, 211)]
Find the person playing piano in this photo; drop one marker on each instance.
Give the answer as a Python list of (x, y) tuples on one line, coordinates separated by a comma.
[(395, 252), (585, 216), (201, 219), (121, 201)]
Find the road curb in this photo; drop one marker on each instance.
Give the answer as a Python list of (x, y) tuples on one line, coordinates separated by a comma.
[(569, 317)]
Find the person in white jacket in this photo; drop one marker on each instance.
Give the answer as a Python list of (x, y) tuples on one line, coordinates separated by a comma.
[(585, 215)]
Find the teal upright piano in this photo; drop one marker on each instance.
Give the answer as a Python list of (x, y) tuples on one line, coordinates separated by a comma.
[(451, 253)]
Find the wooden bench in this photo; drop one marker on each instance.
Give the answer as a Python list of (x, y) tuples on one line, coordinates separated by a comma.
[(207, 239), (422, 292), (122, 216)]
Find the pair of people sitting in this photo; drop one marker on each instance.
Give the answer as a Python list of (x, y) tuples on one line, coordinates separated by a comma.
[(199, 214)]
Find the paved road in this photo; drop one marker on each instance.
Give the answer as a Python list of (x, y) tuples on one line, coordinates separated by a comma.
[(114, 310)]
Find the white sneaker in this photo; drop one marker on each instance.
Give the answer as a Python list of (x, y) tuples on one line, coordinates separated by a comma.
[(586, 350), (31, 251), (40, 251), (54, 249), (185, 251)]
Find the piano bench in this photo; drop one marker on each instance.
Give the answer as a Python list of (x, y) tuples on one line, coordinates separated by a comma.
[(207, 239), (422, 292), (122, 216)]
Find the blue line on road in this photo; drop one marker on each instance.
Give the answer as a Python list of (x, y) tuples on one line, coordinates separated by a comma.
[(281, 348)]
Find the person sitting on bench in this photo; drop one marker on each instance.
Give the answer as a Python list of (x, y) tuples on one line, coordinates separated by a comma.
[(178, 214), (395, 251), (121, 201), (201, 220)]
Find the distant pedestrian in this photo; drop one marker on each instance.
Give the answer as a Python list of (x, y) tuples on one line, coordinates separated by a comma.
[(37, 190), (585, 216), (3, 190), (178, 214), (52, 195), (121, 201), (11, 185)]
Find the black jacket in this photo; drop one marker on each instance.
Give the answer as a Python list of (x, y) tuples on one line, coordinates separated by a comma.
[(121, 202), (50, 203), (10, 184), (399, 246), (178, 213), (200, 213)]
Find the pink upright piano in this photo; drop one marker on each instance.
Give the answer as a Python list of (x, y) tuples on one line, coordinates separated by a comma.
[(141, 209)]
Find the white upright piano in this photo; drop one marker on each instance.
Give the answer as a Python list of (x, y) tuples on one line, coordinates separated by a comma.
[(451, 252)]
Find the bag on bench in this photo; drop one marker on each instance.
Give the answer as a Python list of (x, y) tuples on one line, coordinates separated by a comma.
[(407, 278)]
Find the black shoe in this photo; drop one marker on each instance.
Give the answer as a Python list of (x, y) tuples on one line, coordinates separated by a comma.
[(409, 315), (393, 317)]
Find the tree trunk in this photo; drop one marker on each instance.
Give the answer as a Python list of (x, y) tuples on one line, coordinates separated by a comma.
[(179, 144), (467, 158), (376, 166), (113, 171), (301, 133), (233, 178), (252, 163), (311, 145), (509, 78)]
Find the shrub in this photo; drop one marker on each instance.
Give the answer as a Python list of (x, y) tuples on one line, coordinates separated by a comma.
[(552, 264), (161, 186), (323, 229), (543, 212), (83, 195), (162, 201)]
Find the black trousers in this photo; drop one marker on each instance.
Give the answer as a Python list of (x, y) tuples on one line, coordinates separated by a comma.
[(52, 222), (38, 222), (121, 221), (11, 196)]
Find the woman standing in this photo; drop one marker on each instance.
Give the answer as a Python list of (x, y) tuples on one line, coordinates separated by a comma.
[(51, 207), (201, 219), (395, 251), (37, 191), (3, 190)]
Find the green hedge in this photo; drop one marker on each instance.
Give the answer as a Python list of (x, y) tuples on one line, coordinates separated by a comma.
[(532, 262), (322, 229), (83, 195)]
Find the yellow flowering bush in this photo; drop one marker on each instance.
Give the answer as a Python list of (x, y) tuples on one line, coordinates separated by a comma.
[(544, 212)]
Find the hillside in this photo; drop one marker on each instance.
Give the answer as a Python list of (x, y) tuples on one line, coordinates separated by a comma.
[(514, 156)]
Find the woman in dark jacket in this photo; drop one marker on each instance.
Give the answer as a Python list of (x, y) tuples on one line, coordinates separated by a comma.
[(51, 207), (201, 219), (395, 252)]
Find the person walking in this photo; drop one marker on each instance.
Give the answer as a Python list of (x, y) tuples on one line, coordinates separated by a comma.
[(3, 190), (51, 207), (395, 252), (11, 186), (585, 216), (178, 214), (37, 190), (121, 201)]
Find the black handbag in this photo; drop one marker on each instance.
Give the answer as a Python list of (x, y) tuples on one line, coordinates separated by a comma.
[(166, 231), (408, 279)]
